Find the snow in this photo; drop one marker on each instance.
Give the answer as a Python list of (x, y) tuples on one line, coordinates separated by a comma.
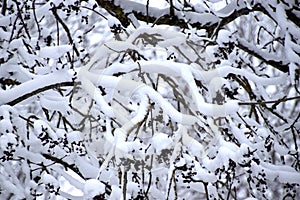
[(6, 139), (167, 108), (11, 188), (134, 20), (156, 194), (224, 36), (121, 119), (203, 175), (227, 10), (263, 54), (96, 95), (194, 147), (48, 179), (226, 151), (112, 21), (212, 190), (283, 173), (74, 136), (54, 52), (19, 73), (122, 84), (85, 167), (154, 9), (92, 188), (161, 141), (176, 41), (41, 126), (5, 125), (223, 70), (30, 59), (133, 188), (52, 102), (116, 193), (216, 85), (203, 18), (32, 85), (173, 69), (40, 12), (16, 43), (5, 21), (119, 46), (281, 149), (33, 155)]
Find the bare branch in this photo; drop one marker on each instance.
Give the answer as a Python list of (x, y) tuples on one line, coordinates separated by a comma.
[(276, 64), (65, 27), (4, 4), (268, 102), (63, 163)]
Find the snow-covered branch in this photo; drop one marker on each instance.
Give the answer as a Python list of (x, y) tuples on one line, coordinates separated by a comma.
[(131, 99), (31, 88)]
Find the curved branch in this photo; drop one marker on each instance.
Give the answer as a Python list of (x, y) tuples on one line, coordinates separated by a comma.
[(40, 84), (39, 90)]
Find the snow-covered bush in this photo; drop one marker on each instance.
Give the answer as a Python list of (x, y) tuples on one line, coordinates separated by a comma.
[(125, 100)]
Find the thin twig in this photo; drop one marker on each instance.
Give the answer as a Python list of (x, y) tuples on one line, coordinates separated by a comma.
[(98, 13), (4, 5), (22, 20), (35, 19), (65, 27), (267, 102)]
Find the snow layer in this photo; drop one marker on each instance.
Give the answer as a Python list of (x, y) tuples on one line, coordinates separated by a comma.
[(54, 52), (32, 85), (93, 188)]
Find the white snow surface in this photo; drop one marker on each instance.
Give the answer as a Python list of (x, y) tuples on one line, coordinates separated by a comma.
[(54, 52), (93, 187), (161, 141), (6, 139), (32, 85)]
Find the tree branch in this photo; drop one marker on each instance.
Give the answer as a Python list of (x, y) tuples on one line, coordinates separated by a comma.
[(115, 11), (39, 90), (65, 27), (172, 19), (267, 102), (276, 64), (4, 5), (293, 17), (63, 163)]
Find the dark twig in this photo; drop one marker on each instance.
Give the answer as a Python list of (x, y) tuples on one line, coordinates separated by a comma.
[(4, 5), (35, 19), (276, 64), (65, 27), (22, 20), (63, 163), (48, 87), (268, 102)]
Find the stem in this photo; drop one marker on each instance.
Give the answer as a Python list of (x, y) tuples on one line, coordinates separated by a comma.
[(267, 102)]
